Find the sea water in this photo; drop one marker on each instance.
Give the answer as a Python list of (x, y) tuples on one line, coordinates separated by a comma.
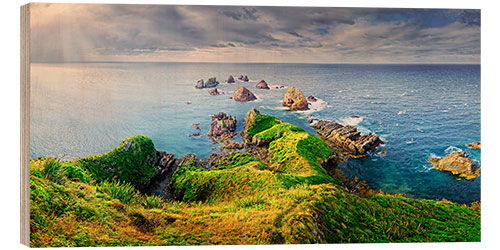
[(420, 111)]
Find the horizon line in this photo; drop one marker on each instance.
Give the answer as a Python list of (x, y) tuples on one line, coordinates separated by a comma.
[(348, 63)]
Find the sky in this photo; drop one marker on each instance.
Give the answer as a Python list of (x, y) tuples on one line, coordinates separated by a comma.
[(174, 33)]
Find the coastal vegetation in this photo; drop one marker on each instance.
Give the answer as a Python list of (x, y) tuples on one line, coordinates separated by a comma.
[(294, 195)]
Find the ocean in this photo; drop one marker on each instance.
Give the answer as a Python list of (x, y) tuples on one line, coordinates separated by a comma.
[(421, 111)]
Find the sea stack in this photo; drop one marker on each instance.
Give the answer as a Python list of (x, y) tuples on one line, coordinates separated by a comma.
[(262, 85), (244, 95), (457, 163), (295, 100), (230, 79), (212, 82)]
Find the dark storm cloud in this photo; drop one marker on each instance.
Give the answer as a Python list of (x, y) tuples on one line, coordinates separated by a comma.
[(90, 32)]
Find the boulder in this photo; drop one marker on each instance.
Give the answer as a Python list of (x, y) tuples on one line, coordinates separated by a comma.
[(222, 123), (457, 163), (295, 100), (312, 98), (230, 79), (214, 91), (200, 84), (474, 145), (347, 139), (262, 85), (244, 95)]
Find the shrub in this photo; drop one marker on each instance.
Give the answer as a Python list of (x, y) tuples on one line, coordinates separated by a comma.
[(122, 191)]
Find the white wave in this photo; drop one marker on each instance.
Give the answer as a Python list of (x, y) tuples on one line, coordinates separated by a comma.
[(318, 105), (352, 120), (420, 130), (402, 112), (274, 107), (452, 149)]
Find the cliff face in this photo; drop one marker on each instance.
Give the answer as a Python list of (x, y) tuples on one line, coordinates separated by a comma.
[(239, 198)]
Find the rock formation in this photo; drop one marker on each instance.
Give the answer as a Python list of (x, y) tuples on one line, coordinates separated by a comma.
[(244, 95), (262, 85), (214, 91), (346, 138), (222, 123), (212, 82), (230, 79), (200, 84), (474, 145), (295, 100), (458, 163), (243, 78)]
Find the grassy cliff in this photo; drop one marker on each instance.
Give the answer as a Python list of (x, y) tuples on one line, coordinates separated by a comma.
[(288, 198)]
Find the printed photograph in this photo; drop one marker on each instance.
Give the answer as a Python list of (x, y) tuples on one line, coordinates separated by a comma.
[(162, 125)]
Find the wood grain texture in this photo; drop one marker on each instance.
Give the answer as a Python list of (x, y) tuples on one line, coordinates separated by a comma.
[(25, 123)]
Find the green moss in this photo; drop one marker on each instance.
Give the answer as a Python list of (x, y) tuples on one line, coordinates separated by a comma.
[(260, 123), (132, 161), (277, 131)]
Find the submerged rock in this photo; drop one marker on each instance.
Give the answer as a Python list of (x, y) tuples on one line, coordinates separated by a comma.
[(214, 91), (262, 85), (458, 163), (230, 79), (222, 124), (474, 145), (295, 100), (346, 138), (244, 95)]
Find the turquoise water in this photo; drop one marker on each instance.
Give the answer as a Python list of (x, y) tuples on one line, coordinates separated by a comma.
[(421, 111)]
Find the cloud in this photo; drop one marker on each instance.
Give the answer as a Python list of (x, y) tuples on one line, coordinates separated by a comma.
[(94, 32)]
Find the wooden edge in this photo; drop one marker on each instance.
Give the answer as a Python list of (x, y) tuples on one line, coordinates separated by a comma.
[(25, 124)]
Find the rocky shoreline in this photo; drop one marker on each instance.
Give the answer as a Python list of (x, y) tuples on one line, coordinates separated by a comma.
[(347, 139)]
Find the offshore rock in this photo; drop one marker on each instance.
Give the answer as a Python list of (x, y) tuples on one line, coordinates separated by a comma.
[(230, 79), (214, 91), (200, 84), (474, 145), (212, 82), (295, 100), (262, 85), (222, 124), (457, 163), (244, 95), (346, 138)]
